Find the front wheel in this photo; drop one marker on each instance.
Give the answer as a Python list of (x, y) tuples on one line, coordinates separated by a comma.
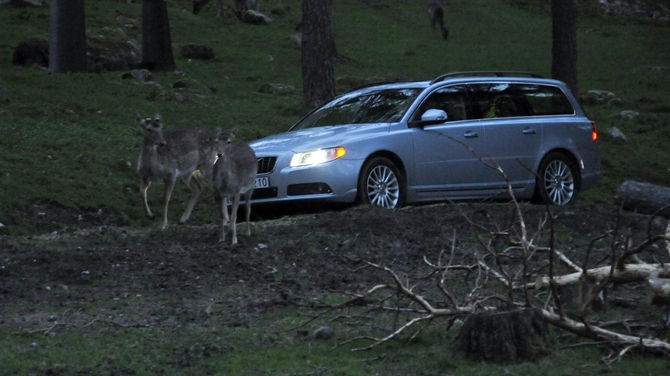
[(380, 184), (557, 180)]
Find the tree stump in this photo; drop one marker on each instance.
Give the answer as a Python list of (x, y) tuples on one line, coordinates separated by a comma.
[(643, 198), (505, 337)]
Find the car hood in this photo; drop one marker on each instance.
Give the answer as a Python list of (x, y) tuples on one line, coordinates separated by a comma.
[(315, 138)]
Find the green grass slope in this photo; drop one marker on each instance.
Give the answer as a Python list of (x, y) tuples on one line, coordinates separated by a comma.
[(72, 139)]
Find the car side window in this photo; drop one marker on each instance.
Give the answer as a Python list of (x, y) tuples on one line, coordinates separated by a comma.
[(452, 100), (546, 100), (497, 101)]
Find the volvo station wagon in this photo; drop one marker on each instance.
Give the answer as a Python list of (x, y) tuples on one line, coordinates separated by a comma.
[(460, 136)]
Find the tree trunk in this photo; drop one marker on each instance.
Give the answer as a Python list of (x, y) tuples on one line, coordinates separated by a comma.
[(510, 337), (67, 41), (643, 198), (156, 40), (318, 52), (564, 42)]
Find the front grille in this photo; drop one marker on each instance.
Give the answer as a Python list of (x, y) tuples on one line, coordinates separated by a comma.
[(266, 164)]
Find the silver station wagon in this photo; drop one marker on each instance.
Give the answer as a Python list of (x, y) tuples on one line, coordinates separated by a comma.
[(461, 136)]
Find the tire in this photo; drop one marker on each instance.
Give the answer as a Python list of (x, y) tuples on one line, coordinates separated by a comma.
[(380, 183), (557, 180)]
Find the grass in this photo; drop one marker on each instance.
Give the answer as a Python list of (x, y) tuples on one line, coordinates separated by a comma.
[(72, 140), (116, 350)]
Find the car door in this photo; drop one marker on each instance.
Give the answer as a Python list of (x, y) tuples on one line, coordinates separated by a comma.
[(513, 137), (446, 154)]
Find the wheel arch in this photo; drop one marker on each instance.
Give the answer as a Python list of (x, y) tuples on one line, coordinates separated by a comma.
[(573, 159), (395, 159)]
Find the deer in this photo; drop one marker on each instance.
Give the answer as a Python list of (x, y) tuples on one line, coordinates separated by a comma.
[(199, 4), (167, 155), (240, 6), (234, 174), (436, 15)]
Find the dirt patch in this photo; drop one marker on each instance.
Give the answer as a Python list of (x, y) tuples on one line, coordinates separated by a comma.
[(180, 275)]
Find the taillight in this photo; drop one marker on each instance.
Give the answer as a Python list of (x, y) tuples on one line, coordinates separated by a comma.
[(594, 131)]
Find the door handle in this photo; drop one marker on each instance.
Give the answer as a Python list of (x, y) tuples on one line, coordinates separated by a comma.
[(529, 131), (469, 134)]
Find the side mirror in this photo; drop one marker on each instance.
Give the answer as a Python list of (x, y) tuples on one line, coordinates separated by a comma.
[(434, 116)]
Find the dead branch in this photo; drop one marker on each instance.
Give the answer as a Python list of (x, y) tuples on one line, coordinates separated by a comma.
[(597, 333), (630, 273)]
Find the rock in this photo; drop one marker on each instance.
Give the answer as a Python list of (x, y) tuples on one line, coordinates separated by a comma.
[(597, 97), (253, 17), (195, 51), (616, 133), (32, 51), (323, 332), (22, 3), (141, 75), (276, 89), (629, 114)]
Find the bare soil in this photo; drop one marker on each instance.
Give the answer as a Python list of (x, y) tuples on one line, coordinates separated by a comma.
[(147, 277)]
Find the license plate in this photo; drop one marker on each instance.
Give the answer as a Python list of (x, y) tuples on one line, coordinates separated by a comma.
[(262, 183)]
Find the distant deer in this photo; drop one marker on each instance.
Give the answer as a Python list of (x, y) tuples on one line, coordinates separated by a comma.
[(436, 15), (244, 5), (171, 154), (199, 4), (234, 174), (240, 6)]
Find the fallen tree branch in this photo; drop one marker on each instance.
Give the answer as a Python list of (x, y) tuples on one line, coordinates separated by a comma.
[(630, 273)]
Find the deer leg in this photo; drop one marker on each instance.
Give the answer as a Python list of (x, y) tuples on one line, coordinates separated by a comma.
[(233, 216), (219, 8), (169, 185), (223, 205), (196, 190), (247, 204), (144, 186)]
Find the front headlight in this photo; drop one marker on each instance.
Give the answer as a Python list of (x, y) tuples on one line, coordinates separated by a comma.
[(314, 157)]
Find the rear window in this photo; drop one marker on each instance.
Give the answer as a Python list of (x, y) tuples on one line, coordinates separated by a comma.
[(496, 100), (546, 100)]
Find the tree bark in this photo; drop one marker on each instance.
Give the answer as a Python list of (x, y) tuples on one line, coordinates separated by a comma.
[(510, 337), (67, 41), (644, 198), (156, 40), (318, 52), (564, 42)]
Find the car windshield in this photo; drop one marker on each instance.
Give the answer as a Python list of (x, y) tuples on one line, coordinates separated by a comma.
[(371, 107)]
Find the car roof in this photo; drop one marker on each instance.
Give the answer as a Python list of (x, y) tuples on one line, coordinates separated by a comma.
[(460, 77)]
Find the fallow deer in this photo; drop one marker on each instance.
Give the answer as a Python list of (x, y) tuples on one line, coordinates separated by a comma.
[(234, 174), (171, 154), (240, 6), (244, 5), (436, 15), (199, 4)]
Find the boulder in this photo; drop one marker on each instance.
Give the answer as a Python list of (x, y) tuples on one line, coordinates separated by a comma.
[(32, 51), (195, 51)]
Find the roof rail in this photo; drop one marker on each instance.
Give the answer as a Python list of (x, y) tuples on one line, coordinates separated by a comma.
[(485, 74)]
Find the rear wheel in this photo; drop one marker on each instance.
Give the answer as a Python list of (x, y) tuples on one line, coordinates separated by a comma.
[(380, 183), (557, 180)]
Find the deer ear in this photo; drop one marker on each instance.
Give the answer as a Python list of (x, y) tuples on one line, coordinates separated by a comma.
[(233, 132), (157, 117), (139, 117), (218, 131)]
